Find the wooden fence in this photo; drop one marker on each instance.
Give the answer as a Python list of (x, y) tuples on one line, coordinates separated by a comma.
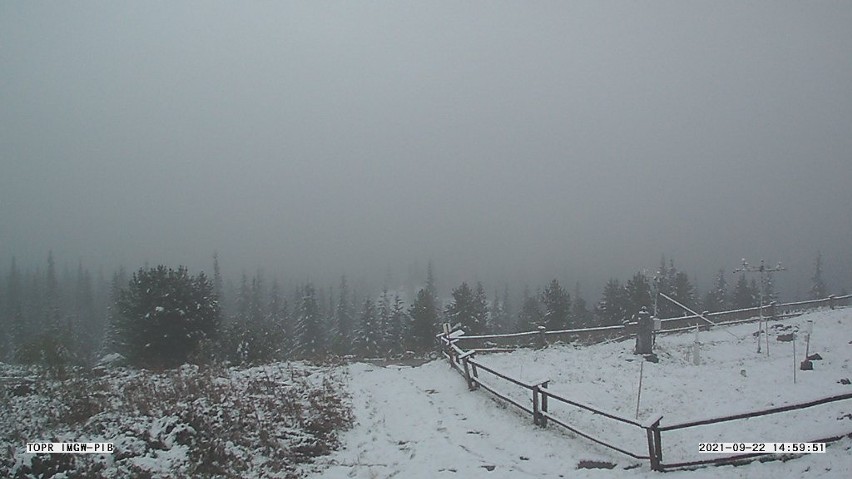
[(656, 430), (466, 364), (542, 337)]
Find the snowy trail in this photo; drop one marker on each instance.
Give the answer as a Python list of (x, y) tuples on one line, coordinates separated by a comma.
[(423, 423)]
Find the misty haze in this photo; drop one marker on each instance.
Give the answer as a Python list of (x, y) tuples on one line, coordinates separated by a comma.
[(192, 191)]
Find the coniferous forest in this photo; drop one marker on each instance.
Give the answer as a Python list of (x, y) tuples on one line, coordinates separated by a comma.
[(163, 316)]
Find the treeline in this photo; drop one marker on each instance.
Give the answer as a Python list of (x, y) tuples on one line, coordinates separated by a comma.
[(161, 317)]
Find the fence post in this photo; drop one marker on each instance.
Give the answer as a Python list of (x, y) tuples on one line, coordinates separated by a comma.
[(471, 384), (655, 446), (539, 402), (542, 339), (475, 374), (831, 301), (451, 353), (773, 310), (536, 410)]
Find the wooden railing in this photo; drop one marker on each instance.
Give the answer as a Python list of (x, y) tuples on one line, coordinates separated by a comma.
[(657, 430), (542, 337), (465, 363)]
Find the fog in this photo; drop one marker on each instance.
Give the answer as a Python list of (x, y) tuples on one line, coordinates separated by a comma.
[(504, 141)]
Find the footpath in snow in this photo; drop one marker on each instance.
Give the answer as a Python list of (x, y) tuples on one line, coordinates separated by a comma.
[(422, 422)]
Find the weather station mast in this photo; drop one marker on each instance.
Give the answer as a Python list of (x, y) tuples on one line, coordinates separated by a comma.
[(762, 326)]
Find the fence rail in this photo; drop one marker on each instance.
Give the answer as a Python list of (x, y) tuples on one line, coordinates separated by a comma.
[(736, 417), (542, 337), (465, 363)]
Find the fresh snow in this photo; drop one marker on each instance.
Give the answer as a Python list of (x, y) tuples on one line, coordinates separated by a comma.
[(422, 422)]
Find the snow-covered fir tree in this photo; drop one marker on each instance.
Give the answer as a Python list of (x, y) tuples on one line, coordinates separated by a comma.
[(281, 329), (684, 292), (768, 288), (717, 298), (398, 330), (384, 331), (497, 320), (638, 293), (344, 320), (745, 294), (309, 325), (531, 315), (367, 337), (465, 310), (480, 307), (612, 310), (424, 321), (557, 306), (14, 311), (582, 317), (818, 290)]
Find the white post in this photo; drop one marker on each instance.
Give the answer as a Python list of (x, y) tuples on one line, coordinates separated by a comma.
[(794, 358), (639, 394), (810, 329), (696, 349)]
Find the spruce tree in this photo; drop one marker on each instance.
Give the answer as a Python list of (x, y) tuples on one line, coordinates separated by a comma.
[(218, 285), (480, 308), (463, 310), (395, 333), (768, 287), (507, 321), (664, 283), (638, 293), (88, 333), (112, 339), (344, 319), (311, 340), (424, 321), (683, 291), (557, 306), (613, 307), (431, 285), (52, 299), (243, 303), (281, 330), (579, 311), (531, 315), (744, 295), (717, 298), (165, 315), (257, 300), (496, 315), (14, 309), (385, 330), (367, 335)]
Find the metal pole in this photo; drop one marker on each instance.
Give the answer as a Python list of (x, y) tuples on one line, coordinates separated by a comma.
[(763, 326), (693, 312)]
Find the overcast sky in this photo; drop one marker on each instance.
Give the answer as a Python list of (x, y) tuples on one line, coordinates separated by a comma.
[(506, 141)]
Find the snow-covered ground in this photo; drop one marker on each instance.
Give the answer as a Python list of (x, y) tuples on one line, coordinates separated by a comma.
[(189, 422), (422, 422)]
